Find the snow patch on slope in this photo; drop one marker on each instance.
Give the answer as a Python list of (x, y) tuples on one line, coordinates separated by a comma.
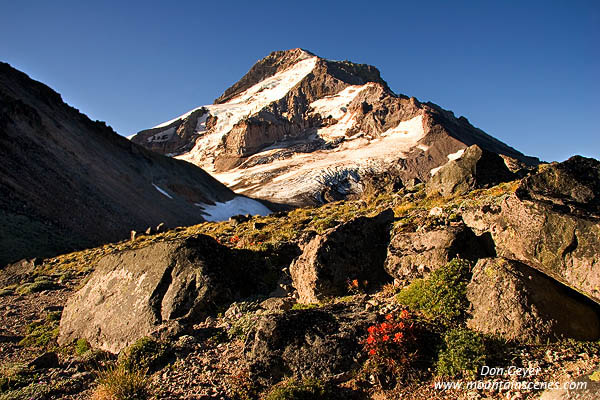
[(162, 191), (451, 157), (236, 206)]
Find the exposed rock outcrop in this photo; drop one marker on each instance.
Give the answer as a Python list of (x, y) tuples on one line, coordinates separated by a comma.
[(415, 254), (517, 302), (474, 168), (562, 244), (137, 293), (319, 343), (571, 185), (353, 250)]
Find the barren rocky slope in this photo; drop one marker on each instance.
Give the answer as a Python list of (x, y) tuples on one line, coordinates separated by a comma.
[(300, 129), (67, 182)]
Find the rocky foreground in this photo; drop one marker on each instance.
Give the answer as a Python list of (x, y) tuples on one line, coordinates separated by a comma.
[(381, 297)]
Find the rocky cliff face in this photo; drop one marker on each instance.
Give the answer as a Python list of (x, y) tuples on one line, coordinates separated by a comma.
[(67, 182), (298, 126)]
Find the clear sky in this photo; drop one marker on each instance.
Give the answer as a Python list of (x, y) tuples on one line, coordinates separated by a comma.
[(526, 72)]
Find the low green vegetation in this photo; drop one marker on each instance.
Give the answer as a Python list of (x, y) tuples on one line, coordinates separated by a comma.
[(443, 295), (305, 306), (14, 376), (42, 333), (293, 389), (81, 347), (40, 284), (145, 354), (463, 353)]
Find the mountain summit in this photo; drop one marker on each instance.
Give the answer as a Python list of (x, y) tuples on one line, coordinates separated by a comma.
[(300, 129)]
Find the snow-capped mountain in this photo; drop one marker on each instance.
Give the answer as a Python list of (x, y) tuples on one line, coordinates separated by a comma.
[(67, 182), (300, 129)]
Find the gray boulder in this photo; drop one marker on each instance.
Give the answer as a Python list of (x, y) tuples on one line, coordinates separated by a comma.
[(353, 250), (475, 168), (317, 343), (140, 292), (517, 302), (415, 254)]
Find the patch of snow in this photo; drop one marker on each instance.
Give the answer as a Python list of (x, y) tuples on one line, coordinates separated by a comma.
[(130, 136), (435, 170), (337, 105), (237, 205), (162, 191), (423, 147), (457, 155)]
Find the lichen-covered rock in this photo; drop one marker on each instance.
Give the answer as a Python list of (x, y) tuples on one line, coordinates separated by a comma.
[(562, 245), (317, 343), (415, 254), (353, 250), (474, 168), (140, 292), (519, 303), (573, 184)]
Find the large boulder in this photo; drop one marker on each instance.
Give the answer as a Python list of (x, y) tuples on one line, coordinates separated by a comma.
[(353, 250), (572, 185), (519, 303), (316, 343), (415, 254), (137, 293), (474, 168), (562, 245)]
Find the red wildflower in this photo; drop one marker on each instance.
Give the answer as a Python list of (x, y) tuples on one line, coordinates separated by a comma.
[(404, 314), (370, 339), (372, 329), (385, 326), (355, 283), (385, 338), (398, 336), (389, 317), (372, 352)]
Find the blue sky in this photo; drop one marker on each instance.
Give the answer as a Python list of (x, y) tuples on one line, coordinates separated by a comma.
[(526, 72)]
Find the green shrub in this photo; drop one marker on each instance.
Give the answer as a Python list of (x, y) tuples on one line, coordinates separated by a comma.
[(293, 389), (443, 295), (463, 354), (242, 326), (145, 354), (120, 383), (81, 347)]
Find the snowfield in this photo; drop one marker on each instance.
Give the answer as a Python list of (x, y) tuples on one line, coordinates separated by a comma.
[(236, 206), (304, 172)]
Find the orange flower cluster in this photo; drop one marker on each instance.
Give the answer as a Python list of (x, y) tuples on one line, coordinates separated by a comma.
[(235, 239)]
